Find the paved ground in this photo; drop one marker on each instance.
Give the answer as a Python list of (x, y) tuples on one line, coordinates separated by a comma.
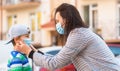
[(5, 54)]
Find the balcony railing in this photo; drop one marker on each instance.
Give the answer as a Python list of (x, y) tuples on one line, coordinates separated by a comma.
[(18, 4), (9, 2)]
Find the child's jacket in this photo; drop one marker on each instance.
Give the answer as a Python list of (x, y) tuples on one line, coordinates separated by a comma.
[(18, 62)]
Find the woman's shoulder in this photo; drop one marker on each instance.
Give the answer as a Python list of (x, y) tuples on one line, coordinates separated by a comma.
[(81, 33), (79, 30)]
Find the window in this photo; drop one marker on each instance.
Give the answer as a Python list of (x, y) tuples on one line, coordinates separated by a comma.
[(86, 14), (91, 16), (12, 20), (32, 21), (118, 24), (9, 21), (94, 20), (39, 20), (119, 20)]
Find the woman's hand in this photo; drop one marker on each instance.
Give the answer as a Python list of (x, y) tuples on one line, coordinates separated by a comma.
[(23, 48)]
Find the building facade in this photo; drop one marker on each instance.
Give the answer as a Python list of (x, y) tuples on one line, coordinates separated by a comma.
[(102, 16), (34, 13)]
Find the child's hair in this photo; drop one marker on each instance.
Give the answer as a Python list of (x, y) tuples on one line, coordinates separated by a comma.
[(13, 42)]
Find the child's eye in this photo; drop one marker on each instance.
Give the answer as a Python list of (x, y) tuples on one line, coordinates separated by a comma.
[(27, 36)]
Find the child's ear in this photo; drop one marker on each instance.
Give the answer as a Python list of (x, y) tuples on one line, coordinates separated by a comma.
[(16, 39)]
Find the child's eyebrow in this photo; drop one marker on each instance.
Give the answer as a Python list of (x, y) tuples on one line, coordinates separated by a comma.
[(27, 35)]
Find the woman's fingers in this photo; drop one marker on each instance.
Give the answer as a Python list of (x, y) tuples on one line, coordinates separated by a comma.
[(23, 48), (20, 47)]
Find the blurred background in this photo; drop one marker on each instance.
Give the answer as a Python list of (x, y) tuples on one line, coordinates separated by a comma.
[(102, 16)]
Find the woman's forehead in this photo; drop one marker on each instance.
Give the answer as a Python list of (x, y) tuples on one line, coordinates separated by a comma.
[(58, 17)]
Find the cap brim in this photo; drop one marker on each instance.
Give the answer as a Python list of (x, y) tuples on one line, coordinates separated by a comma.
[(9, 41)]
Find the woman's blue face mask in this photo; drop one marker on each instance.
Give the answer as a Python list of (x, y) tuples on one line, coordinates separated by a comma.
[(59, 28)]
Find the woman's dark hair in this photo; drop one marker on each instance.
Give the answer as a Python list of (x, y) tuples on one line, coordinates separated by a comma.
[(71, 16)]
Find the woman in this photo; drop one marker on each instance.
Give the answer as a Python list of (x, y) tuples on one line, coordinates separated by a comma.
[(86, 50)]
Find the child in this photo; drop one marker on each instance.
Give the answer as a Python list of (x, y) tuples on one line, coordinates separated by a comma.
[(18, 61)]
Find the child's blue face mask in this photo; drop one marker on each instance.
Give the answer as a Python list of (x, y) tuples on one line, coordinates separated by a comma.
[(27, 41), (59, 28)]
